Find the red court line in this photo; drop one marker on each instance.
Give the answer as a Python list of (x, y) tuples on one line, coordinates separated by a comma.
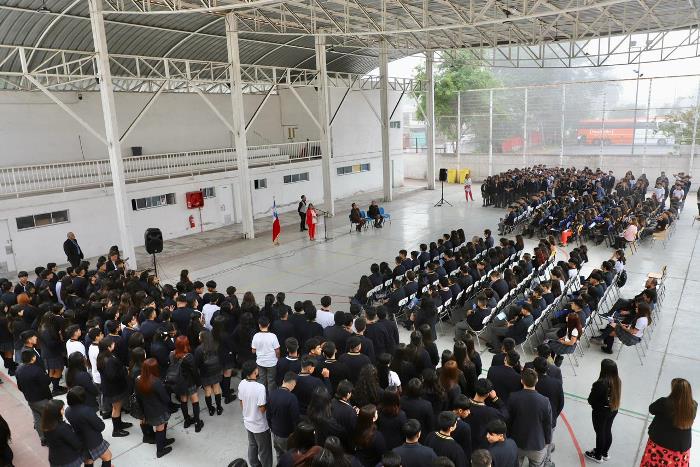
[(581, 457)]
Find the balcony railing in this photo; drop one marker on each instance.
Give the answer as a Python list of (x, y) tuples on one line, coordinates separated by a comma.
[(33, 179)]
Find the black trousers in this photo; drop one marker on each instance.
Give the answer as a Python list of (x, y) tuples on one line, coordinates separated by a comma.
[(302, 221), (602, 425), (74, 261)]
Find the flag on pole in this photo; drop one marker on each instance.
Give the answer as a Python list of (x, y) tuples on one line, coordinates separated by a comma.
[(276, 227)]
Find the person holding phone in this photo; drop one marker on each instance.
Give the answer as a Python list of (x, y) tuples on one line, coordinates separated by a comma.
[(628, 334)]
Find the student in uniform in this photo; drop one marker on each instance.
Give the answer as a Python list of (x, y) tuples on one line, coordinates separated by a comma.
[(283, 412), (253, 407), (206, 357), (412, 453), (266, 348), (188, 381), (114, 385), (88, 427), (604, 399), (442, 442), (154, 401), (33, 381), (503, 450), (64, 445)]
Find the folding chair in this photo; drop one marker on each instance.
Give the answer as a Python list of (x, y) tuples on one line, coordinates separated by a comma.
[(385, 215), (637, 347)]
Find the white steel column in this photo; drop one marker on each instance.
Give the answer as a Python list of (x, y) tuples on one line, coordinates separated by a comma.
[(323, 113), (459, 134), (693, 143), (109, 114), (430, 117), (563, 121), (384, 110), (646, 129), (525, 131), (491, 132), (238, 125)]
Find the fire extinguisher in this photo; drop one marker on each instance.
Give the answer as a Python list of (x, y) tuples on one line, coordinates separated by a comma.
[(191, 222)]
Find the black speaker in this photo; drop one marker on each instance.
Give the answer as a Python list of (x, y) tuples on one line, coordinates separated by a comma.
[(136, 151), (153, 240), (443, 175)]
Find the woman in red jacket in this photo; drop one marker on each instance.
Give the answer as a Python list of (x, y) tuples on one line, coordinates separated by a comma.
[(311, 221)]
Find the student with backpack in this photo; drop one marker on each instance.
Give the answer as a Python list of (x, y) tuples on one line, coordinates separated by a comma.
[(154, 401), (183, 380)]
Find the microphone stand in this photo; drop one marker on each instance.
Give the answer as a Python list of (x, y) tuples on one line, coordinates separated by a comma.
[(326, 216)]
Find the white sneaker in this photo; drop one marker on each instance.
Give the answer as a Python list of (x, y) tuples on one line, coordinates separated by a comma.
[(606, 458)]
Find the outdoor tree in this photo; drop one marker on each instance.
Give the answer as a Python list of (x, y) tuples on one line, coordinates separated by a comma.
[(459, 72), (680, 125)]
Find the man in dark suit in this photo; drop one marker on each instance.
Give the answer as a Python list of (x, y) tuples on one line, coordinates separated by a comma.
[(377, 333), (530, 421), (301, 209), (504, 378), (549, 387), (424, 256), (412, 453), (72, 250)]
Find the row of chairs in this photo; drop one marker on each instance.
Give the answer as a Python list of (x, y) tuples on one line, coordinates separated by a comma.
[(368, 220), (521, 220)]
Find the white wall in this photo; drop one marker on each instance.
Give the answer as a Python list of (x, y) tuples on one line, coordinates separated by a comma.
[(33, 130)]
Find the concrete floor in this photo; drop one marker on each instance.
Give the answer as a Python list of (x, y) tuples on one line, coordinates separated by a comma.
[(308, 270)]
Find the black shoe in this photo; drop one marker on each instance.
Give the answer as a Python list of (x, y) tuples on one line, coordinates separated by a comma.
[(189, 421), (125, 425), (166, 450), (606, 350), (119, 433), (59, 391), (219, 410), (169, 441), (212, 410), (105, 415), (595, 458), (198, 426), (558, 360), (230, 398)]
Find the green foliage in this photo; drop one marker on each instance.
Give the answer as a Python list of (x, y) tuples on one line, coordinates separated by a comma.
[(679, 124), (457, 72)]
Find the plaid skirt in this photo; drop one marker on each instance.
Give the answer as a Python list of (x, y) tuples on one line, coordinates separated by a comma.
[(109, 400), (625, 337), (97, 451), (54, 363), (76, 463), (159, 420), (657, 456), (559, 348)]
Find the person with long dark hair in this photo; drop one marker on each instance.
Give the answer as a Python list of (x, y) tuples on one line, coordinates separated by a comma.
[(52, 347), (77, 375), (88, 426), (154, 402), (114, 385), (64, 445), (320, 414), (223, 340), (302, 447), (187, 381), (670, 434), (391, 419), (207, 359), (6, 454), (388, 379), (369, 443), (605, 401), (367, 390)]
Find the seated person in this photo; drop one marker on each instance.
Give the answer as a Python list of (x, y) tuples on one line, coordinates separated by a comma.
[(373, 213), (474, 318), (516, 328), (627, 333), (356, 218)]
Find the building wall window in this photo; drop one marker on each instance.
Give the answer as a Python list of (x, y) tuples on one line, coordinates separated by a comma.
[(395, 124), (152, 201), (42, 220), (353, 169), (294, 178), (209, 192), (260, 183)]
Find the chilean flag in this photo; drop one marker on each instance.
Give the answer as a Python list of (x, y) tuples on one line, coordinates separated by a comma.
[(276, 227)]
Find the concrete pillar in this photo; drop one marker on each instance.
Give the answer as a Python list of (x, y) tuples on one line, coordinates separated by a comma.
[(525, 131), (491, 132), (458, 153), (238, 125), (109, 113), (384, 111), (323, 112), (693, 143), (430, 117), (563, 121)]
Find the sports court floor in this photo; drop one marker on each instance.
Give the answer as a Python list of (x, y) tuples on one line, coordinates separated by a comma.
[(309, 270)]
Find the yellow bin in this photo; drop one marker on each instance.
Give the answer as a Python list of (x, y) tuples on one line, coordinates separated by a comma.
[(455, 176)]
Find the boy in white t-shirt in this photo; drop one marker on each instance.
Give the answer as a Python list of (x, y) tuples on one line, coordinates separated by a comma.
[(253, 406), (73, 343), (266, 348)]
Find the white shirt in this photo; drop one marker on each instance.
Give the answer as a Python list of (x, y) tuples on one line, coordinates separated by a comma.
[(660, 192), (252, 397), (75, 346), (678, 193), (264, 344), (93, 351), (394, 380), (639, 327), (208, 311), (325, 318), (619, 266), (59, 285)]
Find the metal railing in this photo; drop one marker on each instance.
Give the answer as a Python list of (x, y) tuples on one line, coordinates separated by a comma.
[(32, 179)]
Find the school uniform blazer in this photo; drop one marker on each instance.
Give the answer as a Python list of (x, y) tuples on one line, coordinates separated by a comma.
[(113, 377), (155, 404), (64, 445), (84, 380), (86, 423), (530, 419)]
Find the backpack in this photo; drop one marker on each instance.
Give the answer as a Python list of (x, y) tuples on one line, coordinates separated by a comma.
[(622, 280), (173, 377), (211, 364)]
